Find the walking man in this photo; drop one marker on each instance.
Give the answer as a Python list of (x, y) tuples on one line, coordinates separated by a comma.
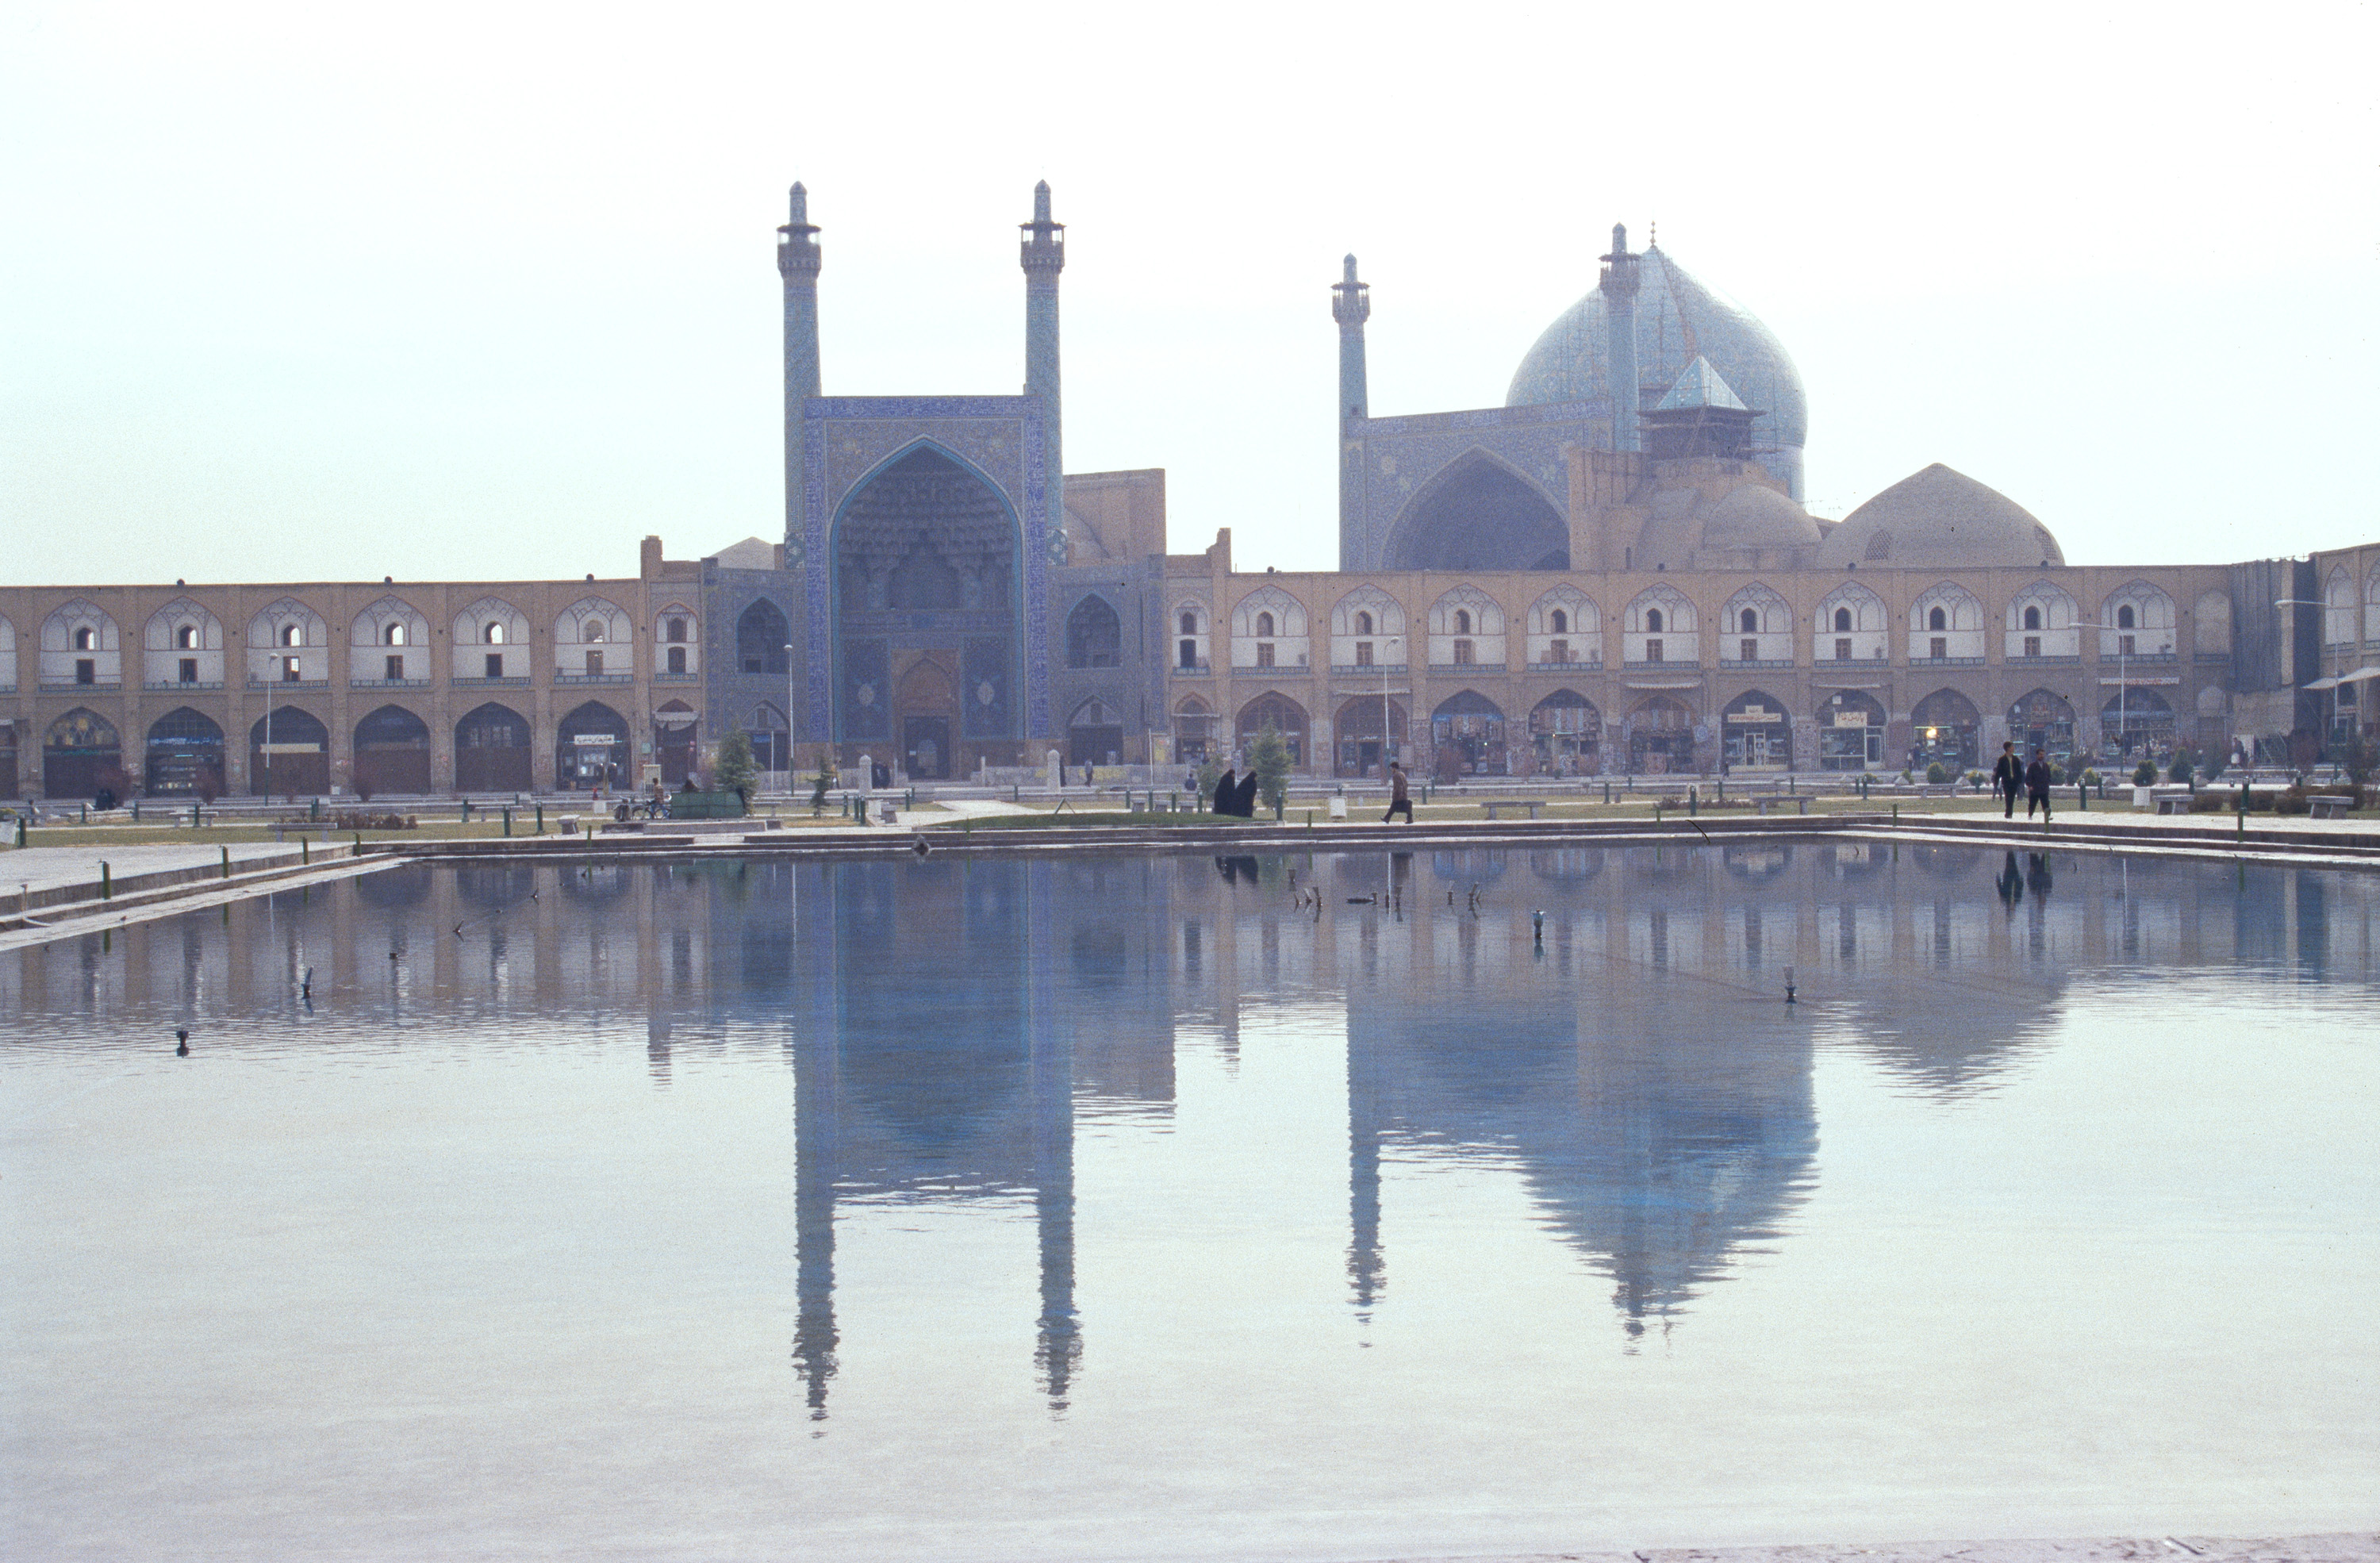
[(2036, 786), (2008, 780), (1399, 795)]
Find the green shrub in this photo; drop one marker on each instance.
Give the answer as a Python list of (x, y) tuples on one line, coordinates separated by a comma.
[(2144, 774), (2292, 801), (2091, 779), (1976, 778), (1269, 757), (1937, 773), (2057, 773)]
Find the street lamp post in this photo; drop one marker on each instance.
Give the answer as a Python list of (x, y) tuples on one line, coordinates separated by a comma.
[(1390, 640)]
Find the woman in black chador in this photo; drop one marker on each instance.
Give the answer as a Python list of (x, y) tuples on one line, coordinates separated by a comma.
[(1227, 793)]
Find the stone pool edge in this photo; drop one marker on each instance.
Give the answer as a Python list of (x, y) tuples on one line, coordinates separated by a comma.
[(2346, 1546)]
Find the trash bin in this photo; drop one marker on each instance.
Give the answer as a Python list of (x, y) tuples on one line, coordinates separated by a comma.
[(1337, 805)]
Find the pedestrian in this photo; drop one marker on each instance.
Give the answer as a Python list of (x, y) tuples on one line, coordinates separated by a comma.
[(1227, 793), (2008, 780), (2036, 786), (1399, 795)]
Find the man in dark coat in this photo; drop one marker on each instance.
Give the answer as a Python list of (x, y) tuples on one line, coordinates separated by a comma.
[(2008, 780), (2036, 786), (1399, 795)]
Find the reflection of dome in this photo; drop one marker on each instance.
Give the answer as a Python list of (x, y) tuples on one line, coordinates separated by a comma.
[(1753, 516), (1938, 519), (1678, 319)]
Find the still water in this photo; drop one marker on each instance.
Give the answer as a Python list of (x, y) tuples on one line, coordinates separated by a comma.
[(1172, 1206)]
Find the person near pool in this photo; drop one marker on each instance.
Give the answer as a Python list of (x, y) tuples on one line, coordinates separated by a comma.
[(2036, 786), (1399, 795), (2008, 780)]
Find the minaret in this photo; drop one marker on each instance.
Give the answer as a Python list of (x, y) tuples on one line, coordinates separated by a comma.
[(1619, 288), (797, 263), (1042, 253), (1350, 309)]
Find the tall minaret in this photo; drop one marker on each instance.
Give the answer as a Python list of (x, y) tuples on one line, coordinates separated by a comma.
[(797, 263), (1042, 253), (1350, 309), (1619, 288)]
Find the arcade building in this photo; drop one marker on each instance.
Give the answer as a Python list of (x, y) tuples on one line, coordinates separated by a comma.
[(1612, 574)]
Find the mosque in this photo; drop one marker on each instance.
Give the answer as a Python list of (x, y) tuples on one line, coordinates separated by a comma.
[(1612, 574)]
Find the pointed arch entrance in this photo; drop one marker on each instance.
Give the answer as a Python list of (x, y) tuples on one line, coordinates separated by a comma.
[(927, 706), (1466, 734), (185, 755), (1566, 732), (928, 569), (81, 753), (2043, 719), (1946, 730), (1477, 513), (288, 754), (391, 753), (1359, 725), (590, 748), (491, 751), (1757, 733)]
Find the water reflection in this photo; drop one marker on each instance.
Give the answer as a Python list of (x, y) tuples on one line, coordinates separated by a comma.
[(948, 1023)]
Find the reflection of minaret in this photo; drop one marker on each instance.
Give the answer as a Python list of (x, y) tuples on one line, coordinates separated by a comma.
[(1058, 1344), (816, 1111), (1365, 1268), (818, 1131)]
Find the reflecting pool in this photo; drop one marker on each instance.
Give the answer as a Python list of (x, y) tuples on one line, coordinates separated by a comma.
[(1345, 1206)]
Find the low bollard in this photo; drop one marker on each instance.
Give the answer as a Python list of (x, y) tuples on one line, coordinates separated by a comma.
[(508, 822), (2083, 797), (226, 863), (106, 885), (541, 819), (305, 854)]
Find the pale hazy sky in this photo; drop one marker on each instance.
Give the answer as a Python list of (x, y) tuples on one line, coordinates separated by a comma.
[(307, 292)]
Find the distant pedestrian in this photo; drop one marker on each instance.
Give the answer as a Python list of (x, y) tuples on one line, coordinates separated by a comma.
[(2036, 786), (1399, 795), (2008, 780)]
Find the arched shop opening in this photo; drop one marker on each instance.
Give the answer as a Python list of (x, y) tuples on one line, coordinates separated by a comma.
[(1194, 729), (1566, 733), (491, 751), (2136, 721), (590, 748), (391, 753), (1466, 734), (1660, 736), (1094, 735), (289, 755), (1359, 742), (79, 752), (1945, 730), (1279, 712), (185, 755), (676, 727), (2043, 721), (1850, 732), (1756, 733)]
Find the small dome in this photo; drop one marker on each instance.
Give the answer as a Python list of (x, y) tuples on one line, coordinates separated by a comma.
[(1755, 516), (1938, 519), (1678, 319)]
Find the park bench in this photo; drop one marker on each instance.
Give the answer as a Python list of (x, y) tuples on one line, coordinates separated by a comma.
[(2328, 805), (1532, 804), (1801, 802), (2174, 803)]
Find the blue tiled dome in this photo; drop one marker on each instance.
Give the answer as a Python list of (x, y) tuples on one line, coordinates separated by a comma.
[(1678, 319)]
